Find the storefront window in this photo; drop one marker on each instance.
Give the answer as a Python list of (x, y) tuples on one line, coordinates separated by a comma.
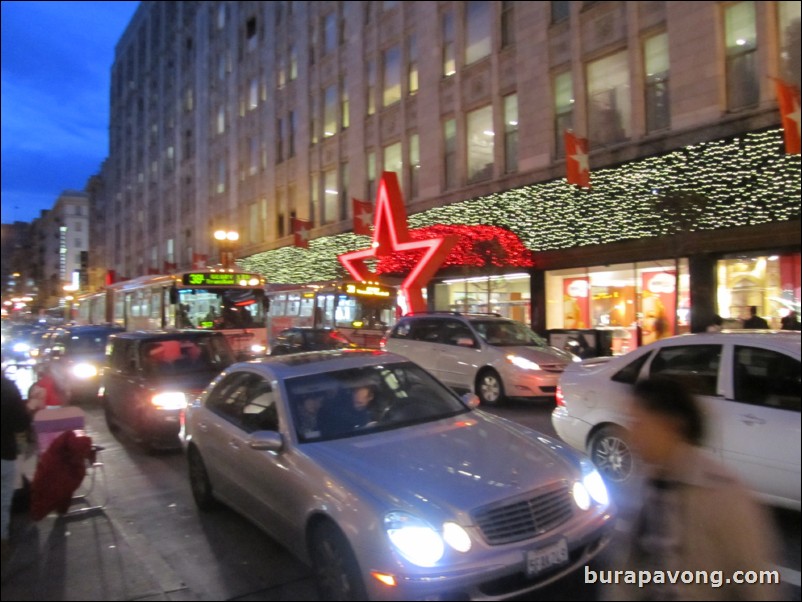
[(624, 298), (508, 296), (769, 282)]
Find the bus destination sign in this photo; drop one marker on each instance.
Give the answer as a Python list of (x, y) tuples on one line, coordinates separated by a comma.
[(215, 279)]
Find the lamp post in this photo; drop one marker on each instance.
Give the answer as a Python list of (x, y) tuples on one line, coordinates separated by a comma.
[(226, 240)]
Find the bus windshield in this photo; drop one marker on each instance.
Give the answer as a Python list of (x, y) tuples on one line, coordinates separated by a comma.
[(220, 308)]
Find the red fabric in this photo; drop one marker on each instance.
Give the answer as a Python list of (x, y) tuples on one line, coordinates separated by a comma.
[(300, 230), (576, 160), (54, 397), (788, 101), (59, 473), (363, 216)]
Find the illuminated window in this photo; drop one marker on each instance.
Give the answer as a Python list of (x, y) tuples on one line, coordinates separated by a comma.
[(563, 109), (480, 144), (477, 31), (655, 61), (609, 107), (740, 36)]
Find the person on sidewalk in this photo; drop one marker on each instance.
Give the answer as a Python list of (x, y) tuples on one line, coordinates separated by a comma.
[(754, 320), (15, 419), (46, 392)]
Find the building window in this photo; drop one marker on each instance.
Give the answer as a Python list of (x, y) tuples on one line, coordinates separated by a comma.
[(563, 109), (740, 36), (254, 224), (331, 196), (371, 86), (412, 64), (511, 133), (221, 16), (480, 144), (477, 31), (392, 76), (608, 99), (449, 44), (330, 112), (788, 14), (450, 153), (414, 165), (345, 105), (314, 110), (253, 155), (221, 119), (393, 162), (314, 198), (253, 94), (560, 11), (345, 197), (329, 33), (291, 140), (221, 176), (250, 34), (279, 140), (656, 64), (293, 62), (281, 213), (372, 175), (507, 24)]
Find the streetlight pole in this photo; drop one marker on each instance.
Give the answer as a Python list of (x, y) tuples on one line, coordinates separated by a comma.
[(226, 240)]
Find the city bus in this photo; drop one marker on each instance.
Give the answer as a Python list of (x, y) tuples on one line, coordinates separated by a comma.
[(362, 311), (225, 300)]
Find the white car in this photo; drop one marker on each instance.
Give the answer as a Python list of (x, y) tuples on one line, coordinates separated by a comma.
[(389, 484), (747, 382), (492, 356)]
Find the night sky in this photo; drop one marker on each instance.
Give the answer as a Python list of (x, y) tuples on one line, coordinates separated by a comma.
[(56, 69)]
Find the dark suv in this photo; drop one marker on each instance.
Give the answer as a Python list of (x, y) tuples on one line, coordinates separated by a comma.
[(150, 377), (306, 338)]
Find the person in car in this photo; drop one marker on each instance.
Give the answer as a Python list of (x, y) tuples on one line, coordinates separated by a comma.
[(695, 516), (346, 415)]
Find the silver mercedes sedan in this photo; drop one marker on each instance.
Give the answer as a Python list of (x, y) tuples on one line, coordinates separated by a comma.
[(390, 485)]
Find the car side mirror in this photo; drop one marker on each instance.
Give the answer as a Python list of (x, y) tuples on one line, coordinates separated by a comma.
[(471, 400), (266, 441)]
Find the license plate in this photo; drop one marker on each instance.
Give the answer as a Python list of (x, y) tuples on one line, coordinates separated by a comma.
[(538, 561)]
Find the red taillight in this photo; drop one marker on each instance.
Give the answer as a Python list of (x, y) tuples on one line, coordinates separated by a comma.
[(383, 343), (338, 337), (558, 397)]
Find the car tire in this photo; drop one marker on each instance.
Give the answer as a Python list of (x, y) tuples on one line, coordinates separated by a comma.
[(336, 569), (489, 387), (611, 453), (199, 482)]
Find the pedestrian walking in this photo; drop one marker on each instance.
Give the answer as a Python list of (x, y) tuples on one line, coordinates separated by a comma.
[(15, 419), (754, 320)]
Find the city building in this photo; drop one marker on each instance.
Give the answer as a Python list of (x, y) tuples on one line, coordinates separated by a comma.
[(245, 115)]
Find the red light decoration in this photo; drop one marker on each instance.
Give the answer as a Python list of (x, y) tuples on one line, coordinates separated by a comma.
[(478, 246), (390, 236)]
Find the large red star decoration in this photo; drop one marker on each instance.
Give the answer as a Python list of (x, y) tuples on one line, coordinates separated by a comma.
[(390, 235)]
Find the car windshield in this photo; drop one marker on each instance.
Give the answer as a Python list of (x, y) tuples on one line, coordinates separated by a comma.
[(185, 356), (88, 342), (340, 404), (507, 333)]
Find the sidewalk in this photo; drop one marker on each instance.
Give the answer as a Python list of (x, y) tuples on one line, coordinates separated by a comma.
[(89, 556)]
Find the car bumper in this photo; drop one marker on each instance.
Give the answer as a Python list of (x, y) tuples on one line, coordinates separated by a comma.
[(530, 383), (500, 572), (570, 429), (163, 428)]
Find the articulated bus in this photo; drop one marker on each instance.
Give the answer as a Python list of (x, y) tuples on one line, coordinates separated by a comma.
[(362, 311), (228, 301)]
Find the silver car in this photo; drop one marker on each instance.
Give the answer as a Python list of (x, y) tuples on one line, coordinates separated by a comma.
[(390, 485)]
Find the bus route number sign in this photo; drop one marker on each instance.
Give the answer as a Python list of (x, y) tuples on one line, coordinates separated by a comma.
[(213, 279)]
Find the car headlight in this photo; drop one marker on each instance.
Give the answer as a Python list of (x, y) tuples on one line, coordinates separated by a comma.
[(457, 537), (591, 486), (581, 495), (21, 347), (522, 362), (258, 349), (84, 370), (415, 539), (169, 400)]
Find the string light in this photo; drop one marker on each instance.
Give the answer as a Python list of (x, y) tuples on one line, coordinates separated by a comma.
[(746, 181)]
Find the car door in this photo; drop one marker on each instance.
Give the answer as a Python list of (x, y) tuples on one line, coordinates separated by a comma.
[(121, 382), (458, 354), (249, 480), (698, 367), (761, 425)]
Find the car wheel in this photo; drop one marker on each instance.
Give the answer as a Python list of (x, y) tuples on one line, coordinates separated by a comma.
[(489, 388), (336, 569), (199, 482), (612, 454)]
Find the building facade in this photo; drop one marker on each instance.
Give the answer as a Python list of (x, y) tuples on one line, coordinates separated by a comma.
[(243, 115)]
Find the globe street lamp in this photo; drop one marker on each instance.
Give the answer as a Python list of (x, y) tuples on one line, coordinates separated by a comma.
[(226, 239)]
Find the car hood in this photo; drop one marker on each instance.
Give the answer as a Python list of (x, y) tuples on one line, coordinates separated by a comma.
[(540, 355), (450, 466)]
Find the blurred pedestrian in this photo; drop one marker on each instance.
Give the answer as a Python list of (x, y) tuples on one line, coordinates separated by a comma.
[(715, 324), (696, 516), (15, 419), (754, 320), (791, 322), (46, 392)]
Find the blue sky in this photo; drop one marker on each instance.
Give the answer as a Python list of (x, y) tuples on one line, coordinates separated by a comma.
[(56, 68)]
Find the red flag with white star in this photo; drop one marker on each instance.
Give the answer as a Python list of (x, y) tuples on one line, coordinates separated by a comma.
[(788, 102), (363, 216), (576, 160), (300, 230)]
